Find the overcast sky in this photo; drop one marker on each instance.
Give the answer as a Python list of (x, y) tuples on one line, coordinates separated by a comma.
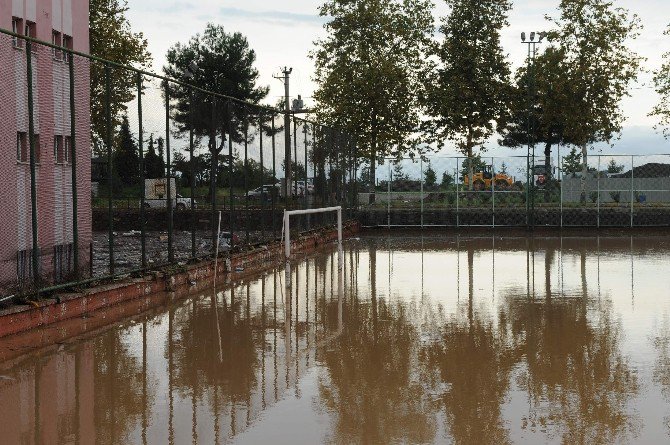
[(282, 33)]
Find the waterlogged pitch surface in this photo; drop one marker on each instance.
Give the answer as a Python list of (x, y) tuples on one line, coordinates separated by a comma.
[(422, 339)]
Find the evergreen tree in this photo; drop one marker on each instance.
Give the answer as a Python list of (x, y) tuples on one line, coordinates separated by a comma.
[(126, 155), (572, 162), (447, 180), (430, 177), (398, 173), (160, 165), (152, 168), (613, 167)]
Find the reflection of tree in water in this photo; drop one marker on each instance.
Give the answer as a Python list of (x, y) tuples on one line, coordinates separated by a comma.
[(473, 361), (577, 378), (196, 348), (373, 388), (661, 342), (118, 388)]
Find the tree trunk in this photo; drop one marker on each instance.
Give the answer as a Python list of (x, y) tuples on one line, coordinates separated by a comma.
[(373, 160), (585, 170), (471, 168), (547, 160)]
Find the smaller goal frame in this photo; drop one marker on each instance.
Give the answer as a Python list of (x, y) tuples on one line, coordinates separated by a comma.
[(287, 227)]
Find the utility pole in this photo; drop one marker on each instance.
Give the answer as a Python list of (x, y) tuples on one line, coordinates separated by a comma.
[(287, 131)]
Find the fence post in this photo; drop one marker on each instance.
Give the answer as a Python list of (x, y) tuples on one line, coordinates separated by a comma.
[(458, 161), (168, 173), (422, 179), (246, 172), (261, 121), (108, 143), (330, 166), (304, 124), (143, 240), (274, 178), (33, 161), (598, 191), (493, 191), (632, 186), (192, 165), (560, 170), (355, 168), (73, 166), (388, 197), (212, 174), (528, 181), (295, 156), (229, 124)]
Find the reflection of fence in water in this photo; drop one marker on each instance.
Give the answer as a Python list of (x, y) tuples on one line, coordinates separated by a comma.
[(76, 392)]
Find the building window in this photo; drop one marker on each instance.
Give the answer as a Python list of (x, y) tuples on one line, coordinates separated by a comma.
[(30, 29), (58, 149), (17, 27), (22, 146), (67, 148), (56, 41), (67, 43)]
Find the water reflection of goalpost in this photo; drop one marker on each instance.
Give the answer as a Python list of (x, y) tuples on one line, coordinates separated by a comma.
[(287, 234)]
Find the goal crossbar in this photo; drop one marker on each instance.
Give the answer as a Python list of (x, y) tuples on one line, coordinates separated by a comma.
[(287, 231)]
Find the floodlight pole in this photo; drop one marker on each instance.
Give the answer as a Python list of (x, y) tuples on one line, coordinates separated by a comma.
[(530, 154)]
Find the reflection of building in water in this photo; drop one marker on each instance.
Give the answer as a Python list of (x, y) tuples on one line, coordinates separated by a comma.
[(160, 379), (51, 400)]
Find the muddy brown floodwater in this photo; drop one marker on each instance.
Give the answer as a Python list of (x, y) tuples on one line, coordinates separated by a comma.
[(433, 339)]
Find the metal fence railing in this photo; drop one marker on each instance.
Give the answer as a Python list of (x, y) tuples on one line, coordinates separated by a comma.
[(117, 170), (613, 191)]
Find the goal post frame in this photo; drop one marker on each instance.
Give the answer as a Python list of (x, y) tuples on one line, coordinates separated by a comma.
[(287, 231)]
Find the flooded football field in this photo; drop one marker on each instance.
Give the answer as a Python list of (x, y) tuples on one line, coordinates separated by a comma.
[(417, 339)]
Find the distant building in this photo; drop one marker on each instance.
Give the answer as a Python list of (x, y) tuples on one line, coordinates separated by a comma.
[(65, 23)]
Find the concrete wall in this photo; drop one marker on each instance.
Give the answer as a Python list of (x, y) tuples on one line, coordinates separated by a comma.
[(657, 190)]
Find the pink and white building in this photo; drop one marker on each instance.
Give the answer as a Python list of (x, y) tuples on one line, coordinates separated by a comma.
[(65, 23)]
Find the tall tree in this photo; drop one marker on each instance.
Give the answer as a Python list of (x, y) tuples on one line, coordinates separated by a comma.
[(538, 104), (111, 38), (225, 65), (468, 92), (430, 177), (153, 166), (594, 35), (662, 84), (367, 71), (126, 155)]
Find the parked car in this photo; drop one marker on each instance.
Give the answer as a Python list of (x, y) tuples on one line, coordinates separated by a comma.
[(179, 203), (297, 191), (310, 187), (264, 192)]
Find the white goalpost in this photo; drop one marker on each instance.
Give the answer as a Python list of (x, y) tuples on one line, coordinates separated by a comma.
[(287, 229)]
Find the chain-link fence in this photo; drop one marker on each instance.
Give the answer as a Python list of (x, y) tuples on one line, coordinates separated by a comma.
[(118, 171), (514, 191)]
